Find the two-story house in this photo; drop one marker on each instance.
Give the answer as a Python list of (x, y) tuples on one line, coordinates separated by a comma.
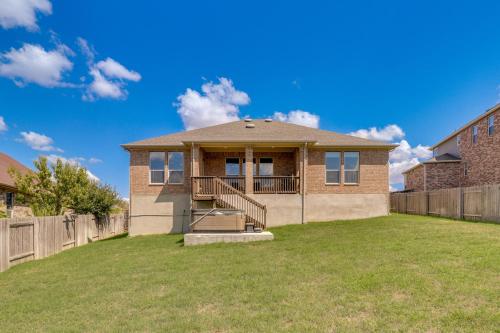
[(469, 156), (275, 173)]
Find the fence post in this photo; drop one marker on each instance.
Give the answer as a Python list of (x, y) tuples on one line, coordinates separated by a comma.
[(426, 194), (4, 245), (460, 203), (36, 239)]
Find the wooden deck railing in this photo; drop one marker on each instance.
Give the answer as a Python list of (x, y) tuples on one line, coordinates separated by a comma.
[(227, 196), (276, 184), (238, 182)]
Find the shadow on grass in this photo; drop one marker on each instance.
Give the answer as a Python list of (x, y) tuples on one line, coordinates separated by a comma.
[(125, 235)]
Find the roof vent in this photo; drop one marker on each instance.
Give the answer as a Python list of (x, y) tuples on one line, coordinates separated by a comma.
[(268, 120), (250, 126), (247, 120)]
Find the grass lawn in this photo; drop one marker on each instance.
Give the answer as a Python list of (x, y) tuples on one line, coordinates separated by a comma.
[(396, 273)]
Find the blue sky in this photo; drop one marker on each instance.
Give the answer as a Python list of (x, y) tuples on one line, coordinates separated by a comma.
[(427, 67)]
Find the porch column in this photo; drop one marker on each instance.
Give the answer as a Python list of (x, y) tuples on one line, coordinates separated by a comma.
[(249, 169), (195, 160)]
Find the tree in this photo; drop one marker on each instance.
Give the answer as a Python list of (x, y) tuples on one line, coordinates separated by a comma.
[(62, 186)]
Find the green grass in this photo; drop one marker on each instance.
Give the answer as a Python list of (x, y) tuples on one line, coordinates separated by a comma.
[(397, 273)]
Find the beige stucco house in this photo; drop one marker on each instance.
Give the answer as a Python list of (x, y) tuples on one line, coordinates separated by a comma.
[(297, 175)]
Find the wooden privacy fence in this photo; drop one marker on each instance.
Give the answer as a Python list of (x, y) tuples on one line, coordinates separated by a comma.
[(30, 238), (470, 203)]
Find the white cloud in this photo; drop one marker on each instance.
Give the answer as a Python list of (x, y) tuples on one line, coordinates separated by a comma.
[(298, 117), (75, 161), (22, 13), (403, 157), (38, 141), (33, 64), (217, 104), (113, 69), (94, 160), (388, 133), (3, 125), (101, 87), (109, 77)]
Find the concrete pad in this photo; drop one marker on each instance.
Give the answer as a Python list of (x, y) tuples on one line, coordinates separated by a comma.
[(208, 238)]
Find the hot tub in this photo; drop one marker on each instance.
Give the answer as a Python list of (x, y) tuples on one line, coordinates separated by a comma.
[(219, 220)]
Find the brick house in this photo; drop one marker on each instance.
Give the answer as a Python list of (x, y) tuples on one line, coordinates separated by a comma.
[(298, 174), (8, 188), (469, 156)]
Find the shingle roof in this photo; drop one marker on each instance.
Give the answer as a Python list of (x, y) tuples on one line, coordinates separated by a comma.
[(5, 163), (443, 158), (264, 131)]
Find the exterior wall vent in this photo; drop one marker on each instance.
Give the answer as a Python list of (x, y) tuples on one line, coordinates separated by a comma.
[(250, 126), (268, 120), (247, 120)]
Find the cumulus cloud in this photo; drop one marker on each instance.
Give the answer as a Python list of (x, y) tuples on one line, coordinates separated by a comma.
[(403, 157), (76, 161), (113, 69), (3, 125), (38, 141), (109, 77), (22, 13), (218, 103), (388, 133), (33, 64), (298, 117)]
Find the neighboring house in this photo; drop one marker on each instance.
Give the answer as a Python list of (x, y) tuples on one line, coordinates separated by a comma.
[(469, 156), (298, 174), (8, 187)]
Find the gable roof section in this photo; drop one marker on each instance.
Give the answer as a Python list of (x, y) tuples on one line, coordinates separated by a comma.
[(263, 132), (7, 162), (445, 158), (470, 123)]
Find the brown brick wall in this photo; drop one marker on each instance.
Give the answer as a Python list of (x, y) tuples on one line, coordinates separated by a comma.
[(139, 175), (442, 175), (482, 158), (414, 179), (214, 163), (374, 173)]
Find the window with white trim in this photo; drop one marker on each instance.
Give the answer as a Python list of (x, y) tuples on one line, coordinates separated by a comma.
[(266, 166), (332, 166), (474, 134), (351, 167), (157, 167), (232, 166), (176, 167), (491, 125)]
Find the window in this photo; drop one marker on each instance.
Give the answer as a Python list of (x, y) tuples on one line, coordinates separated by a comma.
[(244, 168), (156, 167), (232, 166), (491, 125), (458, 139), (351, 167), (9, 200), (332, 165), (266, 166), (176, 167), (474, 134)]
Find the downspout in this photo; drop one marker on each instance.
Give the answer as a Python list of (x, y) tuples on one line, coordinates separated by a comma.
[(303, 182)]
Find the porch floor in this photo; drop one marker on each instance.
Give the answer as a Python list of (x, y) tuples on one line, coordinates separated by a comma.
[(191, 239)]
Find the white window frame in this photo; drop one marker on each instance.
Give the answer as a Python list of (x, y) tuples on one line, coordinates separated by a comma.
[(339, 170), (272, 171), (346, 170), (239, 166), (491, 127), (177, 170), (151, 170), (475, 134)]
